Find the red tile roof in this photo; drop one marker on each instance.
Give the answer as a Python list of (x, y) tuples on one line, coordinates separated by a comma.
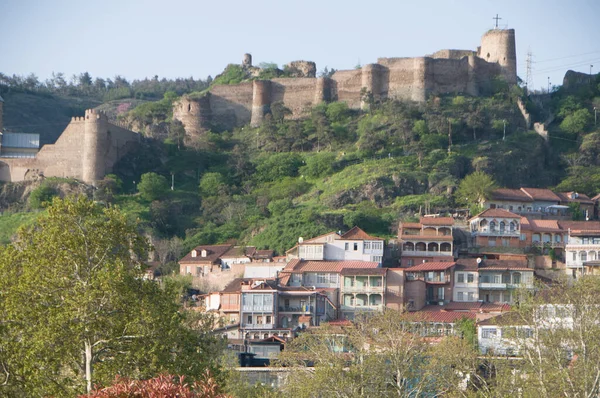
[(411, 225), (510, 194), (299, 266), (364, 271), (597, 197), (355, 233), (490, 264), (239, 251), (437, 221), (431, 266), (543, 226), (427, 237), (541, 194), (580, 225), (462, 306), (498, 213), (213, 253)]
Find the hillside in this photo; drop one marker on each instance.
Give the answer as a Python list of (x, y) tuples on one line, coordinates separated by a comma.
[(339, 167)]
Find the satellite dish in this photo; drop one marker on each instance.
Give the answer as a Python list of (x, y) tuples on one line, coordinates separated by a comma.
[(478, 260), (300, 240)]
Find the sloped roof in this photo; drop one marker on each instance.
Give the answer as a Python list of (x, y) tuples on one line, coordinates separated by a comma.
[(427, 237), (505, 319), (299, 266), (597, 197), (431, 314), (431, 266), (263, 254), (541, 194), (213, 253), (581, 197), (580, 225), (510, 194), (466, 264), (355, 233), (411, 225), (364, 271), (235, 286), (239, 251), (437, 221), (498, 213), (470, 264), (543, 225), (462, 306)]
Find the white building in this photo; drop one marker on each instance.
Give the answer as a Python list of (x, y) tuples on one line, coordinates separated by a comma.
[(583, 246)]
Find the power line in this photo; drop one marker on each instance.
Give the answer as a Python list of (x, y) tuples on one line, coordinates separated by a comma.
[(555, 68), (568, 56)]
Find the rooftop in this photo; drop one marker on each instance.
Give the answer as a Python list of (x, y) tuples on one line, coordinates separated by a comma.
[(497, 213), (299, 266), (575, 197), (431, 266), (510, 194), (541, 194), (213, 253), (449, 221), (355, 233)]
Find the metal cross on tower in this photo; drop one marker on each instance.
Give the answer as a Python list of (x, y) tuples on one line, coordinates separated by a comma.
[(497, 18)]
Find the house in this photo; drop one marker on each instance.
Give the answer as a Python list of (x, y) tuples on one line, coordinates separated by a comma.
[(351, 286), (544, 234), (259, 310), (466, 281), (585, 204), (532, 202), (428, 283), (496, 227), (503, 335), (432, 322), (430, 239), (582, 249), (355, 244), (499, 280), (203, 260)]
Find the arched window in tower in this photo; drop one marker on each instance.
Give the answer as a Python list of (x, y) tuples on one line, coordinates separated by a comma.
[(189, 107), (512, 226)]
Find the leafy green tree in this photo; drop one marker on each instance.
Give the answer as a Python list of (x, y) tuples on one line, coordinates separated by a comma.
[(278, 207), (338, 112), (153, 186), (75, 310), (277, 166), (576, 122), (319, 165), (475, 189), (212, 184)]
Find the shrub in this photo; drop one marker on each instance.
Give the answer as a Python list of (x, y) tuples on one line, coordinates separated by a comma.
[(41, 196), (153, 186)]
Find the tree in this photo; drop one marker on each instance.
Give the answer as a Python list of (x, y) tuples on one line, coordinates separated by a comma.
[(212, 184), (40, 196), (75, 310), (475, 189), (153, 186), (576, 122)]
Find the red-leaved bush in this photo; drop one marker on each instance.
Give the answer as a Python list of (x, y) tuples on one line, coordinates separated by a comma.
[(159, 387)]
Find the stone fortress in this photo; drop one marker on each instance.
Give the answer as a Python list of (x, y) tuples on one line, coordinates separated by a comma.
[(444, 72), (87, 150)]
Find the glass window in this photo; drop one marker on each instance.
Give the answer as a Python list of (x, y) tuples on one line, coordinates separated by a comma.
[(460, 296), (471, 296), (488, 333), (470, 278), (440, 293), (461, 277), (583, 256), (516, 278), (346, 246), (367, 245), (355, 246)]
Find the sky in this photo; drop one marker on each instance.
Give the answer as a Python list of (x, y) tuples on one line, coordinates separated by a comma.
[(183, 38)]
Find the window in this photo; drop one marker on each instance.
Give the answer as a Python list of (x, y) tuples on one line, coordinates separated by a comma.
[(367, 245), (470, 278), (355, 246), (268, 319), (583, 256), (502, 226), (461, 277), (523, 237), (322, 278), (492, 226), (460, 296), (440, 293), (489, 333), (188, 270), (346, 246), (516, 278), (574, 256), (333, 278), (410, 262), (471, 296), (377, 259), (249, 318)]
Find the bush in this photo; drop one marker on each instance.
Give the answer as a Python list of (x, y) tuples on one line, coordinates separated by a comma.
[(319, 165), (275, 167), (41, 196), (278, 207)]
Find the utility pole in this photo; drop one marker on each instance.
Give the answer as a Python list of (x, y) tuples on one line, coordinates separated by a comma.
[(504, 134), (172, 181), (548, 84), (529, 79), (497, 18), (449, 136)]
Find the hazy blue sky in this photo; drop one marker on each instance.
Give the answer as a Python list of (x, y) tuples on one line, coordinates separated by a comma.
[(181, 38)]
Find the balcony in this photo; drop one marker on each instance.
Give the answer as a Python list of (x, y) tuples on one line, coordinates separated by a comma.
[(489, 285), (423, 253), (362, 307), (362, 289), (547, 244), (300, 309), (496, 232), (258, 326)]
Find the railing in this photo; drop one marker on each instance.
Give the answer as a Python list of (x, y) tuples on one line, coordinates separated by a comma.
[(362, 307), (261, 326), (303, 308), (257, 308), (426, 253), (438, 279), (548, 244), (489, 285), (497, 232), (362, 289)]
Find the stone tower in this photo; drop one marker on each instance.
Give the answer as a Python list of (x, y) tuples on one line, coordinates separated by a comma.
[(194, 113), (261, 101), (498, 46), (95, 146), (247, 60), (1, 114)]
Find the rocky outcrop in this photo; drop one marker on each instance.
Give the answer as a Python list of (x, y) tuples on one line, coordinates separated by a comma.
[(301, 69)]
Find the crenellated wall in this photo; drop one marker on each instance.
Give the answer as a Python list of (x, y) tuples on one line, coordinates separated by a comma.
[(444, 72), (87, 150)]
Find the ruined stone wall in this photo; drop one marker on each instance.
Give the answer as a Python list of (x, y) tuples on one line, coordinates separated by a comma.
[(194, 113), (231, 105), (346, 85), (452, 54), (76, 153), (261, 101), (449, 75), (298, 94), (407, 78)]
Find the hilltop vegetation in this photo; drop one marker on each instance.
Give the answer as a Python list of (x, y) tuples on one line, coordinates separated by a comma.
[(339, 167)]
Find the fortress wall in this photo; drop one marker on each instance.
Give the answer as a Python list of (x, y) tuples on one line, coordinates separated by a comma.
[(498, 46), (261, 101), (120, 142), (346, 87), (231, 105), (406, 78), (297, 94), (452, 54), (450, 75), (484, 75), (194, 113), (322, 90)]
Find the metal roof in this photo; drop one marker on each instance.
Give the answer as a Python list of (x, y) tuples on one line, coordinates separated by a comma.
[(18, 140)]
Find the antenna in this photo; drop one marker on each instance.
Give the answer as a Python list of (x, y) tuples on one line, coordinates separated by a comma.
[(529, 79), (478, 260)]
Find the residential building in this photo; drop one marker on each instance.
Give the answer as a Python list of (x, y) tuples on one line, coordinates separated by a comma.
[(496, 227), (583, 246), (362, 290), (466, 281), (544, 234), (259, 310), (355, 244), (428, 283), (532, 202), (500, 280), (580, 200), (503, 335), (203, 260), (430, 239)]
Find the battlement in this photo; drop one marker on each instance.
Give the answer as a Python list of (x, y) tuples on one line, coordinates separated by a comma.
[(78, 119), (94, 114)]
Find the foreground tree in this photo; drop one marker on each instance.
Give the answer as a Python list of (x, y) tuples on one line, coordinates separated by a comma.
[(75, 310)]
